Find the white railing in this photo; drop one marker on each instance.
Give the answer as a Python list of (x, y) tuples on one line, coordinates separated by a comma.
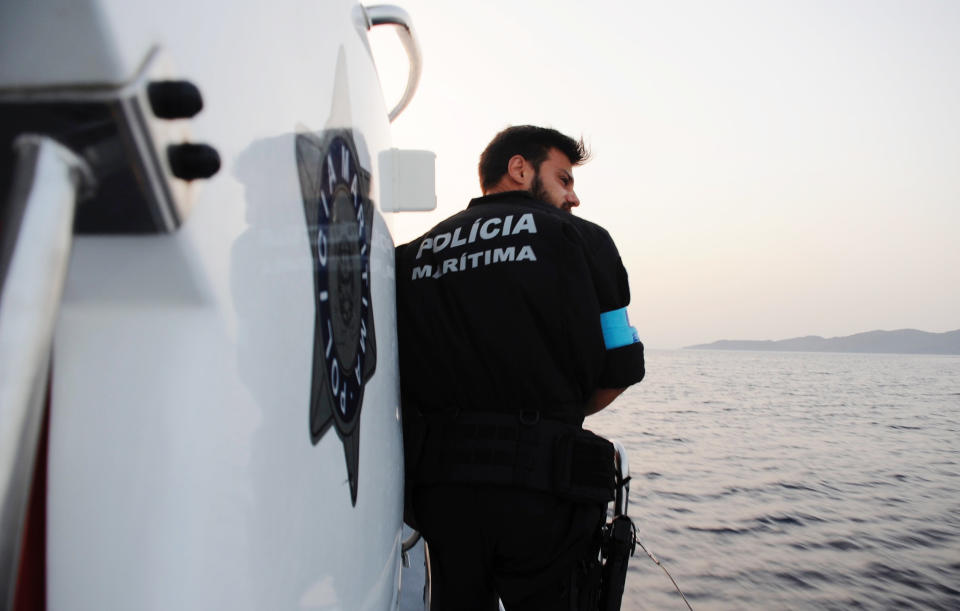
[(47, 181)]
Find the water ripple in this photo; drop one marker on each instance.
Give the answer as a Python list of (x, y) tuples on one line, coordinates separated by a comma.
[(794, 481)]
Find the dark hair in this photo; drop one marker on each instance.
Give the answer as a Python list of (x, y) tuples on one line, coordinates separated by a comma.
[(532, 143)]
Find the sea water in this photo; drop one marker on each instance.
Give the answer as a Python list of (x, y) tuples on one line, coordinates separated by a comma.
[(774, 480)]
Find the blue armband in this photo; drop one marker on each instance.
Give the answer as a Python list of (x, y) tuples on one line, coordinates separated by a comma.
[(617, 331)]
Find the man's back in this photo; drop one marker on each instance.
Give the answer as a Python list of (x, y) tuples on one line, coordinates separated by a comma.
[(492, 303)]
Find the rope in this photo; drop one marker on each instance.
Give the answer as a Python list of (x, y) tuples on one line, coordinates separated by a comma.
[(657, 562)]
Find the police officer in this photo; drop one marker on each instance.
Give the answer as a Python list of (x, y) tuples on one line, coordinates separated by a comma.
[(512, 328)]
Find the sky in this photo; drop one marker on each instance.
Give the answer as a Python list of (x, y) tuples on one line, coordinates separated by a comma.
[(768, 169)]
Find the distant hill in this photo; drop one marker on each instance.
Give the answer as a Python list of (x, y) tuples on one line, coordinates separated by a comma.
[(904, 341)]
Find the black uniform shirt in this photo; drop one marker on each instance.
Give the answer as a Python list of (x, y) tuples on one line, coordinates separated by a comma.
[(499, 310)]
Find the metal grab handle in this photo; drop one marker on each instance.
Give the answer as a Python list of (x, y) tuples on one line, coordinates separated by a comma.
[(622, 463), (46, 185), (388, 14)]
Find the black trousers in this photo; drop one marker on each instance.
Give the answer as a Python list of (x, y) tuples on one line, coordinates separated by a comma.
[(525, 547)]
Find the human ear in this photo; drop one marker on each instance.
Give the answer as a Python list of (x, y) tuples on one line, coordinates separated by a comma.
[(519, 170)]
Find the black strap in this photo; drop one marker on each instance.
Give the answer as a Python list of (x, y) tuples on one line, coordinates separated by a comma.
[(619, 538)]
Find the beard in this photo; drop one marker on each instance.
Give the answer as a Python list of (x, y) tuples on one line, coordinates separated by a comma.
[(538, 192)]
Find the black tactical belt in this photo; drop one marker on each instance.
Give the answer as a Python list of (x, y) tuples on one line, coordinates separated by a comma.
[(518, 450)]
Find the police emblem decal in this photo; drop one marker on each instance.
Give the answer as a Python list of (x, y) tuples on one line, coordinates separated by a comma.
[(339, 216)]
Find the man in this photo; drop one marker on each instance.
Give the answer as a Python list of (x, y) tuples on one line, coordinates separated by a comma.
[(512, 327)]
